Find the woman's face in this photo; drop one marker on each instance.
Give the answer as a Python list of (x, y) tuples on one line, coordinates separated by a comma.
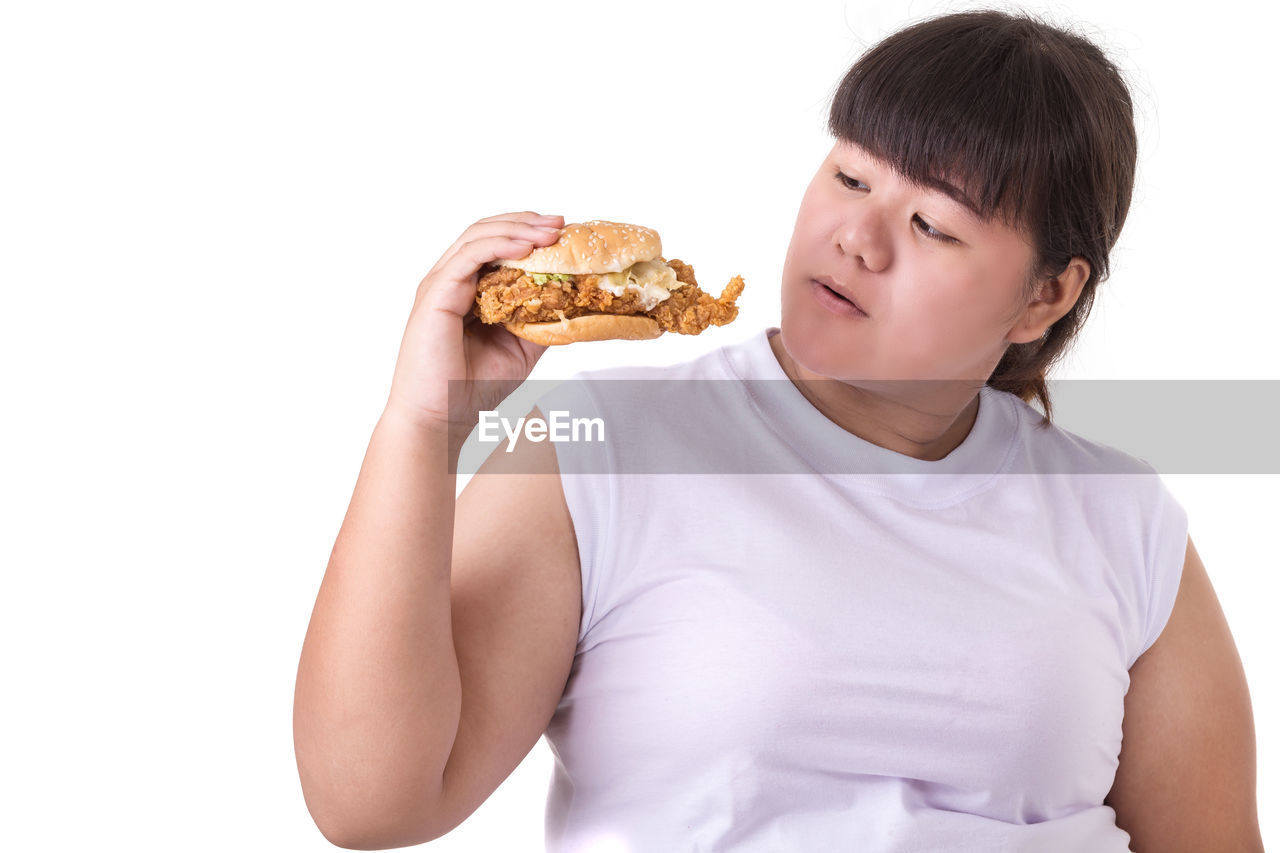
[(940, 289)]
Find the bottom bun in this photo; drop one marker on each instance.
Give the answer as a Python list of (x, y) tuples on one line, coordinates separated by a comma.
[(588, 327)]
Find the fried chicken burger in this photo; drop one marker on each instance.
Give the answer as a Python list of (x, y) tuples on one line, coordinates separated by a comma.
[(600, 281)]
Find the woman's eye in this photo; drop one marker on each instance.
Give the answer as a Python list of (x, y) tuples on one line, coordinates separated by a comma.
[(851, 183), (933, 233), (925, 228)]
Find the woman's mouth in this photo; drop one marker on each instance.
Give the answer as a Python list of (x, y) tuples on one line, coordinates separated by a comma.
[(833, 301)]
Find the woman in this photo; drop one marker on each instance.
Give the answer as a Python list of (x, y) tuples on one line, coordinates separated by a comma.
[(942, 661)]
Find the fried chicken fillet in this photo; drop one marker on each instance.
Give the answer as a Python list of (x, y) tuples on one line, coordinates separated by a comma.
[(507, 295)]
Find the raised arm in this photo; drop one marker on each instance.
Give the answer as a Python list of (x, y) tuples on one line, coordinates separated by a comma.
[(382, 691)]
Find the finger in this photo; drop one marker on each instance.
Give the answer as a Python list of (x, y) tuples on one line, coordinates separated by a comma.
[(474, 255), (453, 288), (515, 224), (495, 226), (535, 236), (522, 216)]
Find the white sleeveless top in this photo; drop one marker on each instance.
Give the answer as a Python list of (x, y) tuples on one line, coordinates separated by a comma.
[(847, 648)]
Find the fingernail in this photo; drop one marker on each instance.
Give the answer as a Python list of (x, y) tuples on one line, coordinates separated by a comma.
[(550, 218)]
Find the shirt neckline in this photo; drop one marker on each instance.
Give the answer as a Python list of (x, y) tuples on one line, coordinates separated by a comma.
[(986, 451)]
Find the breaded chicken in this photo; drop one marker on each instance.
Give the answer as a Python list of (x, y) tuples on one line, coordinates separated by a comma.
[(509, 295)]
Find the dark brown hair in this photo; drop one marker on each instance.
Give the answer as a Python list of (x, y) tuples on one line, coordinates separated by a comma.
[(1032, 122)]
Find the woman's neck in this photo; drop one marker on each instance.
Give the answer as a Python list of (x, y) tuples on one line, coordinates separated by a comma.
[(922, 428)]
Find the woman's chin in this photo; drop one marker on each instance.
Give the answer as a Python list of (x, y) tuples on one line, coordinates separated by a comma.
[(803, 336), (808, 350)]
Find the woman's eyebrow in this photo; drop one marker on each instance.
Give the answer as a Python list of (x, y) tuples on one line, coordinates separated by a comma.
[(954, 193), (937, 184)]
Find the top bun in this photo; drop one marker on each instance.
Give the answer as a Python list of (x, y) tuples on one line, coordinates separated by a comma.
[(592, 247)]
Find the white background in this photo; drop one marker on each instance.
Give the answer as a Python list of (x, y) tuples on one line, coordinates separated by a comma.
[(213, 218)]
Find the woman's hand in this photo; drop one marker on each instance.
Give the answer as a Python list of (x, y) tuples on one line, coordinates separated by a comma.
[(444, 340)]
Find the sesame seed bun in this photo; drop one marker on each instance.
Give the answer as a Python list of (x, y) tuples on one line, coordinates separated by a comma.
[(592, 247), (588, 327)]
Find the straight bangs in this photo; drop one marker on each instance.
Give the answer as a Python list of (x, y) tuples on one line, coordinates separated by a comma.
[(968, 111)]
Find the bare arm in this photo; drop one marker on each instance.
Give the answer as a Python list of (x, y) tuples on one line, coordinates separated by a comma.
[(377, 705), (1187, 779), (399, 740), (378, 694)]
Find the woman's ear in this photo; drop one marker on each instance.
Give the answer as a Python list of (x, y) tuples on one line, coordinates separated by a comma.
[(1054, 297)]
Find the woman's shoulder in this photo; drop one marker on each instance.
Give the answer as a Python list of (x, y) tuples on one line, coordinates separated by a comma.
[(1053, 448)]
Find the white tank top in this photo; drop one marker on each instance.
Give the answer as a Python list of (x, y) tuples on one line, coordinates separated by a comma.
[(856, 650)]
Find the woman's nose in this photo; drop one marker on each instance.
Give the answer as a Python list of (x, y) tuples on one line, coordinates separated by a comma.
[(864, 235)]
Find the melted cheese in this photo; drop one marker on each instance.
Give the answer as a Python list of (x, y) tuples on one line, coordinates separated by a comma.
[(652, 280)]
